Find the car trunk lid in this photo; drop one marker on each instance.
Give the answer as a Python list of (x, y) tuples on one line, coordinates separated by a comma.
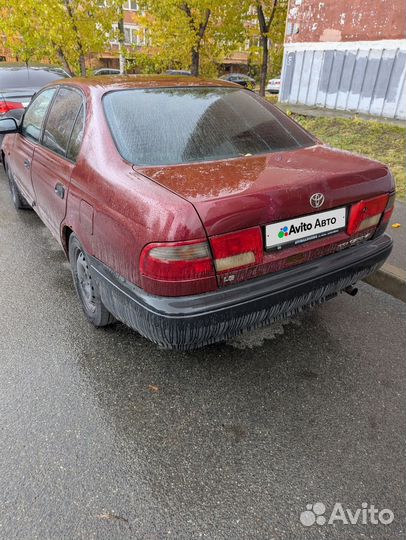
[(258, 190)]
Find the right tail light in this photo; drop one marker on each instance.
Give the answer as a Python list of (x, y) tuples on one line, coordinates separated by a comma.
[(368, 213)]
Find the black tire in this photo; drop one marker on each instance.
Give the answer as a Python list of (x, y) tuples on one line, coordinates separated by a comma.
[(86, 286), (19, 201)]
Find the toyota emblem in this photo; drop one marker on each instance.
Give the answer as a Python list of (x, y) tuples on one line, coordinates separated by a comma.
[(317, 200)]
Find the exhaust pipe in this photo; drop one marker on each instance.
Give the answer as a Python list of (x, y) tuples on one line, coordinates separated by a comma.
[(352, 291)]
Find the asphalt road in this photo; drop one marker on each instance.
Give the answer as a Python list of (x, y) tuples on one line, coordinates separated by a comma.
[(103, 435)]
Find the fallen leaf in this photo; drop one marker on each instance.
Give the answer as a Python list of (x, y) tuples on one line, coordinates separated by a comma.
[(396, 225), (153, 388)]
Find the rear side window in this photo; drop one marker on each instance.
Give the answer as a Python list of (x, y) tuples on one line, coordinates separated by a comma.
[(76, 136), (61, 119), (35, 114), (166, 126)]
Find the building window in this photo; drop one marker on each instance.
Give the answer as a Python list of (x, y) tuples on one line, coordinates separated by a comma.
[(130, 5), (133, 35), (127, 35)]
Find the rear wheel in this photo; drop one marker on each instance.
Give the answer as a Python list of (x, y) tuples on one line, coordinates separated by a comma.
[(85, 285), (19, 201)]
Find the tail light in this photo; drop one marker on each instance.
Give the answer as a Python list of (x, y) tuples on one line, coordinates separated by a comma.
[(386, 215), (366, 214), (177, 268), (6, 106), (180, 268), (237, 250), (177, 261)]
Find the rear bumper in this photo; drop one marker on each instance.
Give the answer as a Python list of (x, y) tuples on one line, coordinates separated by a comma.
[(190, 322)]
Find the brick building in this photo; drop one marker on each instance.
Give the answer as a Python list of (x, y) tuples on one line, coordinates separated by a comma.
[(133, 35), (346, 55)]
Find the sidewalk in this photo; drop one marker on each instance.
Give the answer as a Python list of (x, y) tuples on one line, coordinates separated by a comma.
[(305, 110), (398, 255), (391, 278)]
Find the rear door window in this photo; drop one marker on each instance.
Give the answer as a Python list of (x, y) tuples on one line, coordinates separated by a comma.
[(35, 114), (61, 119)]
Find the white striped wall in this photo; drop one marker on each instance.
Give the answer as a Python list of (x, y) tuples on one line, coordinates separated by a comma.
[(366, 77)]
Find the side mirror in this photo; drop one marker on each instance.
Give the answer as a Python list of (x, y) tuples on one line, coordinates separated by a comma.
[(8, 125)]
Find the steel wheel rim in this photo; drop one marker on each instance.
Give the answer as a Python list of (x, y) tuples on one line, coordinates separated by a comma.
[(85, 284)]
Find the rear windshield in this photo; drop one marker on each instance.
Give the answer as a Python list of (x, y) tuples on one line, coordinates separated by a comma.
[(27, 78), (167, 126)]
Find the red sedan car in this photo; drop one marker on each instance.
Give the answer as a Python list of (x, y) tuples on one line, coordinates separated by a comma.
[(192, 209)]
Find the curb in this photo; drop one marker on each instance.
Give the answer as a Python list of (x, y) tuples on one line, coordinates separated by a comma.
[(317, 112), (389, 279)]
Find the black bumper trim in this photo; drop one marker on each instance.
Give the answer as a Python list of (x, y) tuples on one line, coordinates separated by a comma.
[(188, 322)]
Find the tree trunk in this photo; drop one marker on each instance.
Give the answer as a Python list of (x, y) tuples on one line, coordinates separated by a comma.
[(121, 42), (64, 61), (82, 64), (195, 62), (71, 15), (264, 64), (264, 27), (199, 31)]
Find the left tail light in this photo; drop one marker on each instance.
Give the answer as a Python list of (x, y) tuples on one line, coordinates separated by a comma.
[(190, 267), (6, 106), (177, 261), (177, 268), (366, 214)]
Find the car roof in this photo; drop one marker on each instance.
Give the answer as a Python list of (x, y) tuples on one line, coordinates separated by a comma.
[(237, 75), (18, 66), (28, 79), (124, 82)]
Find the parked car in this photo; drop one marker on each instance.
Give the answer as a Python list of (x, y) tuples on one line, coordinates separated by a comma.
[(241, 79), (107, 71), (192, 209), (273, 86), (178, 72), (18, 83)]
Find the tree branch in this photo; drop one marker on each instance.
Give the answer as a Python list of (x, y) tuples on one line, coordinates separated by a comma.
[(203, 25), (265, 25), (271, 17), (186, 8), (261, 17)]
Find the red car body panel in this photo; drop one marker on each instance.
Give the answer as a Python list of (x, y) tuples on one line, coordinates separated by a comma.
[(116, 208), (49, 171), (23, 151), (244, 192)]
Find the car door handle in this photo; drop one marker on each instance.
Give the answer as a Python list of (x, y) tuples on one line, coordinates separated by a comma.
[(27, 163), (60, 190)]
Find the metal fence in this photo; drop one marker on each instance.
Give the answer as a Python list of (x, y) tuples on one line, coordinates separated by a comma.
[(365, 77)]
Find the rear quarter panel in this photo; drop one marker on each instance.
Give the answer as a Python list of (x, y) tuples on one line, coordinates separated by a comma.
[(116, 211)]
